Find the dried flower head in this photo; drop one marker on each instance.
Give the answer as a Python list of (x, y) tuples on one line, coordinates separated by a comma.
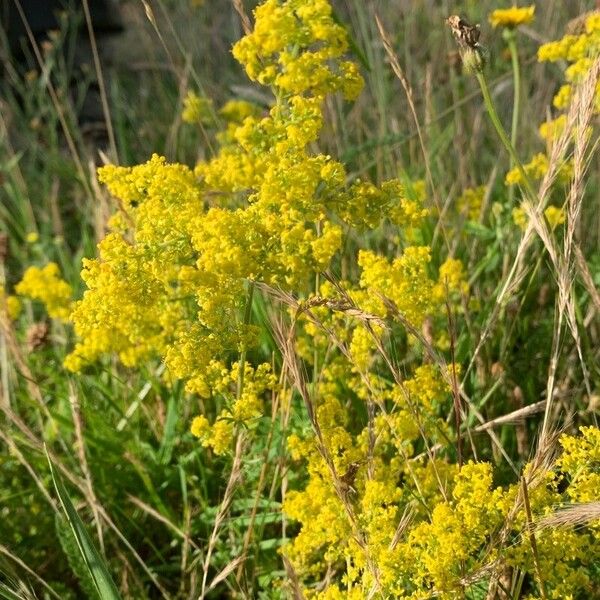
[(466, 35), (37, 335), (473, 54)]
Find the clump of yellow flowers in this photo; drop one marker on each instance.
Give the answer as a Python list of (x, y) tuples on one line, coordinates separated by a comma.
[(197, 109), (385, 511), (173, 275), (434, 529), (47, 286)]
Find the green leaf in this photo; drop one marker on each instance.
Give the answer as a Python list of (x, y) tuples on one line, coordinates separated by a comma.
[(97, 568)]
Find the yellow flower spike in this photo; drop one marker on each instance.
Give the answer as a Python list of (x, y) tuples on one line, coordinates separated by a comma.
[(512, 17)]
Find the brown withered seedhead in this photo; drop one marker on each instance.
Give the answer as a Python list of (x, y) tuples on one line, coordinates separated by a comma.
[(37, 335), (465, 34), (348, 478)]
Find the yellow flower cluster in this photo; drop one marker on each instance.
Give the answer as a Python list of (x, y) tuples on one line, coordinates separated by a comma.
[(296, 47), (327, 539), (554, 215), (470, 202), (242, 408), (235, 111), (405, 281), (454, 515), (10, 304), (172, 275), (48, 287), (197, 109), (579, 50), (535, 169), (581, 459), (512, 17)]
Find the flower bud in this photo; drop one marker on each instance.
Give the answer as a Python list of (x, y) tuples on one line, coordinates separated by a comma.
[(474, 59)]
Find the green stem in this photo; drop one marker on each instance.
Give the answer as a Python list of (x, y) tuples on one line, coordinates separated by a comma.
[(242, 364), (514, 56), (532, 541), (489, 104)]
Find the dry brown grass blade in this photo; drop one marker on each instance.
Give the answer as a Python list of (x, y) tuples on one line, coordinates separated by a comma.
[(580, 116), (56, 101), (235, 478), (37, 444), (87, 474), (226, 572), (156, 515), (100, 79), (586, 277), (576, 515), (284, 336), (6, 552), (514, 416), (15, 451), (293, 579), (398, 71), (239, 9), (262, 481)]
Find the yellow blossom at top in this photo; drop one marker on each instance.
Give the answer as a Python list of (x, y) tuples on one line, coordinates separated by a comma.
[(297, 46), (512, 17)]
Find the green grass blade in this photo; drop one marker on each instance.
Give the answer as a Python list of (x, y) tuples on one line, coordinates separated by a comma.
[(93, 561), (7, 594)]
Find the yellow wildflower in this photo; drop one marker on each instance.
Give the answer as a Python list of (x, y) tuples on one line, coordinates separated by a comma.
[(535, 169), (236, 111), (47, 286), (550, 131), (470, 202), (555, 216), (13, 307), (452, 279), (200, 426), (512, 17)]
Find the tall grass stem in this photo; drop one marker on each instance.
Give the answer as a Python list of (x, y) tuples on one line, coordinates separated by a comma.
[(516, 69)]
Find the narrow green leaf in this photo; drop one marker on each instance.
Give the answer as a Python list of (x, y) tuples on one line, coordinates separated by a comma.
[(7, 594), (98, 570)]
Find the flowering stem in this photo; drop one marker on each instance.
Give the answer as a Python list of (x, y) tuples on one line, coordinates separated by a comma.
[(242, 362), (514, 56), (534, 549), (491, 109)]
